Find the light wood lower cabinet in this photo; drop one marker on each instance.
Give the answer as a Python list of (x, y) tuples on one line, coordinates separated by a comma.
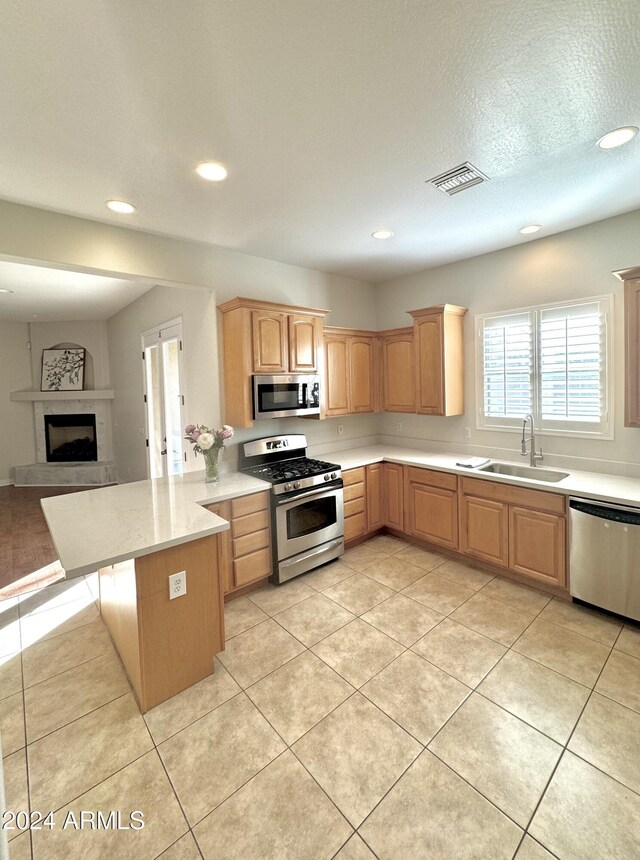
[(537, 545), (375, 497), (165, 645), (244, 551), (393, 494), (516, 528), (484, 530), (431, 506), (355, 516)]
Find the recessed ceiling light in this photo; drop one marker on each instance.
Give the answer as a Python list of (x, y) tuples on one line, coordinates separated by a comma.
[(5, 291), (121, 206), (530, 228), (212, 170), (382, 234), (617, 137)]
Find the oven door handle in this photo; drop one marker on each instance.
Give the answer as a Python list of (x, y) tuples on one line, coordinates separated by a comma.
[(324, 490)]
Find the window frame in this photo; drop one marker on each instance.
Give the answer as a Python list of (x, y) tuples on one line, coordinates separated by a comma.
[(576, 429)]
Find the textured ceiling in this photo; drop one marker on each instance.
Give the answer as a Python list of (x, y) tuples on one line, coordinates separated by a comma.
[(330, 116), (55, 294)]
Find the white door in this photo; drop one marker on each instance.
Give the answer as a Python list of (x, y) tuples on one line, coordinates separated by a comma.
[(164, 399)]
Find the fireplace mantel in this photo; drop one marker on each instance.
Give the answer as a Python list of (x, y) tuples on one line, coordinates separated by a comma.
[(97, 394)]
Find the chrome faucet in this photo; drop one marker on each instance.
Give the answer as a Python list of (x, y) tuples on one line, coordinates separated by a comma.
[(535, 457)]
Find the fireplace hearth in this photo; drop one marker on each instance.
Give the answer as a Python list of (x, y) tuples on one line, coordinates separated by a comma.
[(71, 438)]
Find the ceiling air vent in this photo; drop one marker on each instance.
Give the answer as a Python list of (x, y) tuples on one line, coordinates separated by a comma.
[(458, 178)]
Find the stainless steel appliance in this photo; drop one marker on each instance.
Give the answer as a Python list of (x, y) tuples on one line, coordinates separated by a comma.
[(307, 509), (605, 555), (285, 394)]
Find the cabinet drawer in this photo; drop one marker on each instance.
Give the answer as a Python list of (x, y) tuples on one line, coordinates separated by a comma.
[(250, 568), (354, 526), (553, 503), (356, 506), (353, 491), (353, 476), (432, 479), (249, 504), (251, 542), (250, 523)]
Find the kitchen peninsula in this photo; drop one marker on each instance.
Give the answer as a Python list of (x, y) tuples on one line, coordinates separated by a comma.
[(137, 535)]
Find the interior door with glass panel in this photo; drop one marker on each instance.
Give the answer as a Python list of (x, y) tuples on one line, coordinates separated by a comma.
[(164, 399)]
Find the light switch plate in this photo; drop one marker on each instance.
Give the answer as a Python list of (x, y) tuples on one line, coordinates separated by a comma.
[(177, 584)]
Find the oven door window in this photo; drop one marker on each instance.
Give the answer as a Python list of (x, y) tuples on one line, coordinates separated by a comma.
[(276, 397), (312, 516)]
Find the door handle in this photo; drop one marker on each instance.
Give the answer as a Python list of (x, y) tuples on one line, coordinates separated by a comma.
[(164, 451)]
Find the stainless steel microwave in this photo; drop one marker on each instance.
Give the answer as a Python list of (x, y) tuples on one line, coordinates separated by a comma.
[(285, 394)]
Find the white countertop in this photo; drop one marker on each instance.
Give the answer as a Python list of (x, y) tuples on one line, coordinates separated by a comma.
[(592, 485), (104, 526)]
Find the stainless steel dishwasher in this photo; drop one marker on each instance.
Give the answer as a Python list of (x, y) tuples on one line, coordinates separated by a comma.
[(605, 555)]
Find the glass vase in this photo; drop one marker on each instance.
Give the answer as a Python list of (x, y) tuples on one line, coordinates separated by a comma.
[(211, 469)]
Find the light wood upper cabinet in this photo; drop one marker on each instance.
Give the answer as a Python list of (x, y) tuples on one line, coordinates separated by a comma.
[(398, 377), (336, 381), (632, 352), (484, 529), (439, 348), (362, 374), (393, 494), (270, 339), (350, 377), (305, 341), (537, 545), (260, 337), (431, 506)]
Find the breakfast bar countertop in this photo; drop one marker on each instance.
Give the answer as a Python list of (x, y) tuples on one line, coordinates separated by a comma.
[(107, 525), (594, 485)]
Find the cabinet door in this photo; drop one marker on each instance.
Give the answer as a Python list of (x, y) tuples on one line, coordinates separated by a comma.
[(432, 514), (393, 496), (269, 332), (632, 353), (223, 509), (375, 499), (484, 529), (305, 338), (537, 545), (336, 383), (362, 374), (430, 365), (398, 373)]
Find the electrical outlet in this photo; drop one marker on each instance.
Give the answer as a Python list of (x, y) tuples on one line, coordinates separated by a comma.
[(399, 427), (340, 429), (177, 584), (467, 432)]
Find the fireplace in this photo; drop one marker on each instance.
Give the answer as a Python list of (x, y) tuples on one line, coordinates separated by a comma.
[(71, 438)]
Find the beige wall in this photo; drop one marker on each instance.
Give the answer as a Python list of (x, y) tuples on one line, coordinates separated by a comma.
[(569, 265), (17, 438)]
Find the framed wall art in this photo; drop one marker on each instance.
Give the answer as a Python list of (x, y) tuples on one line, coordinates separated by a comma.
[(62, 369)]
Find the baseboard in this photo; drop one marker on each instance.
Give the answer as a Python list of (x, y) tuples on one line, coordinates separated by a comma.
[(6, 482)]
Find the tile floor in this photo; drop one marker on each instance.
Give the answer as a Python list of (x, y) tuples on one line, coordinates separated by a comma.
[(394, 704)]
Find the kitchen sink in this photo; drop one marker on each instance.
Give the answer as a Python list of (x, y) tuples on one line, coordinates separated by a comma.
[(528, 472)]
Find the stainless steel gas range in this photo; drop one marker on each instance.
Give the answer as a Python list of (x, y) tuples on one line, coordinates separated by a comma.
[(307, 508)]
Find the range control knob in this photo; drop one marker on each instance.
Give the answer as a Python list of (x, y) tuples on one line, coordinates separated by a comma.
[(327, 477), (296, 485), (333, 476), (287, 487)]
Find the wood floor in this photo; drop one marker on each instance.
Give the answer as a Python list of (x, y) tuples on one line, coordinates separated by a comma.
[(27, 556)]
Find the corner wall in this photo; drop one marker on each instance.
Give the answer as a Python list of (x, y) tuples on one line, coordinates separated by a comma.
[(571, 265), (17, 437)]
